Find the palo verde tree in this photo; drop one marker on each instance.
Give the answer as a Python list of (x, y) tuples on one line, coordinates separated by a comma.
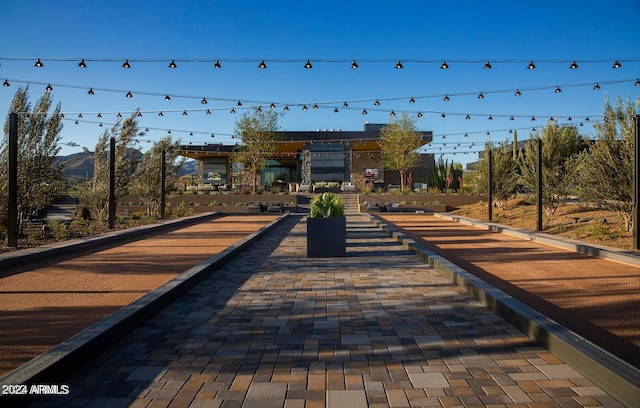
[(561, 146), (39, 174), (504, 173), (147, 179), (96, 196), (399, 141), (257, 130), (605, 172)]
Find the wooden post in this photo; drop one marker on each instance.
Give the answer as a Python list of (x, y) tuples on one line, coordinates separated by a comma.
[(12, 205), (112, 184), (163, 178), (490, 188), (636, 183), (539, 187)]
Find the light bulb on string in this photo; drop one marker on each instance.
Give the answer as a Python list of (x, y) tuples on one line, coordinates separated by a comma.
[(172, 64), (126, 64), (399, 65), (444, 65), (487, 65), (354, 65), (596, 87), (531, 65), (6, 83), (38, 64), (262, 65), (446, 98), (129, 95), (308, 65), (518, 93), (203, 101), (90, 91), (573, 65), (82, 64), (217, 65), (167, 98), (616, 65)]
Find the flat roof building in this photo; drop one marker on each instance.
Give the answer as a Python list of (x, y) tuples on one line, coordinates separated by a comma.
[(305, 157)]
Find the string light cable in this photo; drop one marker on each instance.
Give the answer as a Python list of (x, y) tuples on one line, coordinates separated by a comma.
[(326, 104), (218, 63)]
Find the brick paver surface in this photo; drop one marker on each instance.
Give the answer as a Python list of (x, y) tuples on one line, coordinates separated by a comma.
[(273, 328), (596, 298), (45, 302)]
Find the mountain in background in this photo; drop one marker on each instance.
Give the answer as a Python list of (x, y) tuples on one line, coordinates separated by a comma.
[(80, 166)]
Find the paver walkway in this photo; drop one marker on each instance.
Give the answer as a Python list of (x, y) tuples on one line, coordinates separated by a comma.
[(273, 328), (597, 298), (45, 302)]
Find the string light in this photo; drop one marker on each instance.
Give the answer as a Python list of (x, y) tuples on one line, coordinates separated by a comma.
[(49, 88), (596, 86), (531, 65), (399, 65), (38, 64), (354, 65), (126, 64), (573, 65), (308, 65), (444, 65), (82, 64), (480, 96), (557, 90), (616, 65), (172, 64), (6, 83), (487, 65), (129, 95), (90, 91), (518, 93), (217, 65), (446, 98), (204, 101), (167, 98), (262, 65)]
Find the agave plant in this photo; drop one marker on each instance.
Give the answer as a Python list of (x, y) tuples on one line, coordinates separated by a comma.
[(327, 205)]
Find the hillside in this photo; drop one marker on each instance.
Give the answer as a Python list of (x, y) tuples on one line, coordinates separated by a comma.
[(80, 166)]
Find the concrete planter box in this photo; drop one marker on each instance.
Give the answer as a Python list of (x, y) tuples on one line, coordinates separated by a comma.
[(326, 237)]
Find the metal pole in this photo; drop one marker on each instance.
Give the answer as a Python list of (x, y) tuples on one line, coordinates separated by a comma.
[(539, 186), (163, 178), (12, 205), (490, 171), (112, 183), (636, 183)]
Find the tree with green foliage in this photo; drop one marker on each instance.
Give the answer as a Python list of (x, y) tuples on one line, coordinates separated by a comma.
[(504, 174), (39, 175), (561, 146), (605, 171), (257, 130), (96, 196), (399, 141), (146, 182)]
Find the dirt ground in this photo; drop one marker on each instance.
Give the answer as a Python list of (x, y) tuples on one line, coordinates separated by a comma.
[(45, 302), (570, 220), (597, 298)]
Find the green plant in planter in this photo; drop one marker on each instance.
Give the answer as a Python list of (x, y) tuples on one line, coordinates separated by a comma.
[(327, 205)]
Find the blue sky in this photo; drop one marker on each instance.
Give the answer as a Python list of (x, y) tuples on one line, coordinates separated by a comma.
[(330, 34)]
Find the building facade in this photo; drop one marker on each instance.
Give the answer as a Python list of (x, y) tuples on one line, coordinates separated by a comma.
[(307, 157)]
